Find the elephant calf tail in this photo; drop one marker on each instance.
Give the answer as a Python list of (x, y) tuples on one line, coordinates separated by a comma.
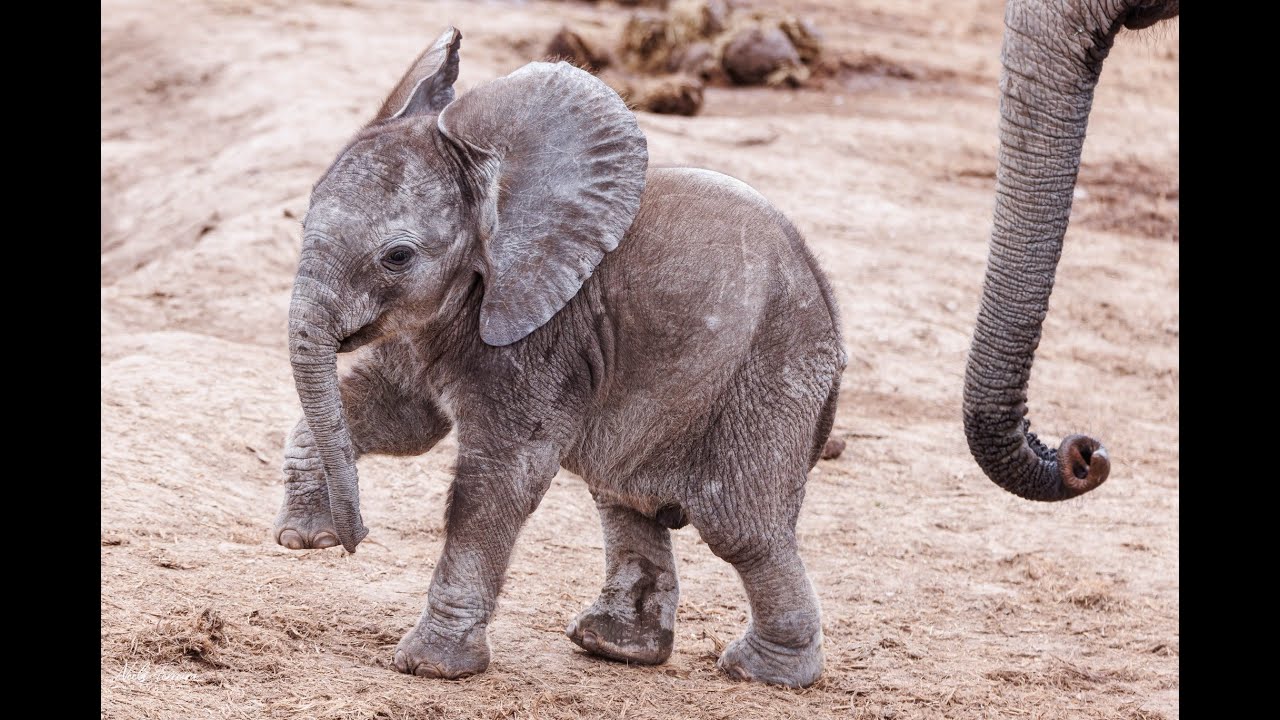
[(823, 429)]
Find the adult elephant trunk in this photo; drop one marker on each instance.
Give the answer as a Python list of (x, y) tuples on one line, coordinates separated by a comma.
[(1053, 54), (315, 331)]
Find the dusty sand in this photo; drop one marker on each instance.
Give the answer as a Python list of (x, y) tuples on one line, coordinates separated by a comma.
[(943, 596)]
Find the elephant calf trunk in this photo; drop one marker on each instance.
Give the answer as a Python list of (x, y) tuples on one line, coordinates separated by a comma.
[(313, 355)]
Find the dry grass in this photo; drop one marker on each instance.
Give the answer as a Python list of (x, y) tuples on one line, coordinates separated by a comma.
[(174, 640)]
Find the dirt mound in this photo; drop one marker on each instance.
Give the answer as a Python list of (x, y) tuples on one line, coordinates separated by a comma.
[(661, 60)]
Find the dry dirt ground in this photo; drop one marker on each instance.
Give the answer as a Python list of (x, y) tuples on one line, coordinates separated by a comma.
[(943, 596)]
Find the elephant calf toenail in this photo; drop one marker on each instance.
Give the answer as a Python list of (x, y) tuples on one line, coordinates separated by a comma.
[(291, 539)]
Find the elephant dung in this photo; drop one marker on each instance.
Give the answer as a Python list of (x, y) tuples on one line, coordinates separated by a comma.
[(758, 55), (698, 59), (805, 37), (657, 42), (832, 448), (694, 42), (646, 45), (700, 18), (578, 49), (677, 94)]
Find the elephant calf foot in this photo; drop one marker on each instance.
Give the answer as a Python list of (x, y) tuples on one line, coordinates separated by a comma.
[(303, 539), (636, 625), (304, 525), (429, 654), (751, 657)]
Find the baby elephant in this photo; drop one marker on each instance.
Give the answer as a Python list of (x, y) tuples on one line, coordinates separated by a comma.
[(515, 271)]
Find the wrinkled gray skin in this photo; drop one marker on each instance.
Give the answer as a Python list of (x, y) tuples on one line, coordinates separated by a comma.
[(514, 271), (1053, 55)]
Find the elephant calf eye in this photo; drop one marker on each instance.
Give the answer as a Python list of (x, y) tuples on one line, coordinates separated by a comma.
[(397, 258)]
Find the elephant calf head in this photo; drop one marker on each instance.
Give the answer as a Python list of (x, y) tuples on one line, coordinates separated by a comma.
[(520, 185)]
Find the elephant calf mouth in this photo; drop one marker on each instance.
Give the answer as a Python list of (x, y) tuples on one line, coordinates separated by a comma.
[(1145, 16), (360, 338)]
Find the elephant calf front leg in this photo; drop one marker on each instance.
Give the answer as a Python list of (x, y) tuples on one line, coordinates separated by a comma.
[(634, 618), (382, 419), (304, 520), (489, 502)]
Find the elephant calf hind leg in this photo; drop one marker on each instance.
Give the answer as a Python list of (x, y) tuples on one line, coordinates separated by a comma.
[(634, 618), (783, 642)]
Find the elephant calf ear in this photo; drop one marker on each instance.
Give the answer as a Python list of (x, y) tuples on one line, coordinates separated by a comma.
[(571, 163), (428, 85)]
